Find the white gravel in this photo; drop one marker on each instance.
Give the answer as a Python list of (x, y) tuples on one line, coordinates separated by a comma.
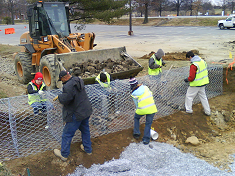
[(161, 160)]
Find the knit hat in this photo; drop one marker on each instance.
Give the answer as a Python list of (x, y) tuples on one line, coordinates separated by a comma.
[(133, 82), (38, 76)]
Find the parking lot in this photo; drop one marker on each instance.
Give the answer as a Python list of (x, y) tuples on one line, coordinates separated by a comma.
[(213, 43)]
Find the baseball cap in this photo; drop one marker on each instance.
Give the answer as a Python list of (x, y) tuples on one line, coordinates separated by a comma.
[(62, 74)]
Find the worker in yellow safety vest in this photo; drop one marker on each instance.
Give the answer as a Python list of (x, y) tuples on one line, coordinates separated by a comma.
[(145, 105), (198, 79), (104, 80), (156, 62), (35, 89)]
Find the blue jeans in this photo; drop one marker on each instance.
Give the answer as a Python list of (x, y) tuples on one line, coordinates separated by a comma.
[(148, 123), (68, 132), (43, 106)]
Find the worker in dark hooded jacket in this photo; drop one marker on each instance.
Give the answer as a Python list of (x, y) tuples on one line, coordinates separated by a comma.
[(156, 62), (76, 113)]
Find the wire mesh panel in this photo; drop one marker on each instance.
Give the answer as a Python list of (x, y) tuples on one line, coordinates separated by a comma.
[(24, 132)]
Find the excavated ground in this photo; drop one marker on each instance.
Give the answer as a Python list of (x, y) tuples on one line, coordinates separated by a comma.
[(217, 137)]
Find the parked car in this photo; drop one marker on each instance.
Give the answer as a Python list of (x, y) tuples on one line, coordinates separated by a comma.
[(228, 23)]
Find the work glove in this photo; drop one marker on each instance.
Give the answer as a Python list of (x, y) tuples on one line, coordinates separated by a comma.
[(40, 92), (186, 80), (54, 99)]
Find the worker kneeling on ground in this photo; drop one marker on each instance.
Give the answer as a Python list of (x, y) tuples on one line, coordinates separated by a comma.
[(104, 80), (35, 89), (156, 63), (145, 105)]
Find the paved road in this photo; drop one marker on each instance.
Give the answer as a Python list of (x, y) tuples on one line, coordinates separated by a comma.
[(210, 41)]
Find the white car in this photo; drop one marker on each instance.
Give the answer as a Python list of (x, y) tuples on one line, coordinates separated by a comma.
[(228, 23)]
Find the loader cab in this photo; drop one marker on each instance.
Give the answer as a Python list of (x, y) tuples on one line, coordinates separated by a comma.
[(48, 18)]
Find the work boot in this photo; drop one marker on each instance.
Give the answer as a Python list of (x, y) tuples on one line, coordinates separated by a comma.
[(145, 142), (136, 136), (187, 113), (207, 114), (58, 154), (82, 147)]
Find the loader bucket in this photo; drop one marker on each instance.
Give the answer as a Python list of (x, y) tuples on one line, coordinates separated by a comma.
[(68, 59)]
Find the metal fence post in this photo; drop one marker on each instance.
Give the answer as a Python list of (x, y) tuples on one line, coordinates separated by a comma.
[(12, 122)]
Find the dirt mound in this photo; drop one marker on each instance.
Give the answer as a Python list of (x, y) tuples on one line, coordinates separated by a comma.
[(177, 56)]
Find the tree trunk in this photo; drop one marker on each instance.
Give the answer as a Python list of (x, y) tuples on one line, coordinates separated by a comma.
[(160, 10), (177, 9), (146, 14), (12, 18)]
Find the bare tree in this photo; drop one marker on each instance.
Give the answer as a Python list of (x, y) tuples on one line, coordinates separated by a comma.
[(230, 5), (190, 7), (140, 7), (160, 5), (144, 4), (197, 6), (10, 6), (1, 8), (206, 6), (21, 9), (224, 5), (178, 4)]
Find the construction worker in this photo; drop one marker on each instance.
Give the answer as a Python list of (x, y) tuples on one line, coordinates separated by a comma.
[(156, 63), (35, 89), (104, 80), (198, 79), (76, 113), (145, 105)]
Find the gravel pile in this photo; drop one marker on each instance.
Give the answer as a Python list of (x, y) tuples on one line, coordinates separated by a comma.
[(156, 159), (7, 66)]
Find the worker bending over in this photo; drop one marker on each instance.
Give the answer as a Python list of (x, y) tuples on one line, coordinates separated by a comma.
[(104, 80), (156, 63), (145, 105)]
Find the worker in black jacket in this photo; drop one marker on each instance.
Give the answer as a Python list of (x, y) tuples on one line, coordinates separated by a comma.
[(76, 113)]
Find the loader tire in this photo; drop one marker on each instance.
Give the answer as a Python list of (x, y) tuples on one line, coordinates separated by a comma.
[(48, 69), (23, 67)]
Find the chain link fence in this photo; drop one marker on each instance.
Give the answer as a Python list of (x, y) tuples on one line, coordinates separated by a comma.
[(23, 133)]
